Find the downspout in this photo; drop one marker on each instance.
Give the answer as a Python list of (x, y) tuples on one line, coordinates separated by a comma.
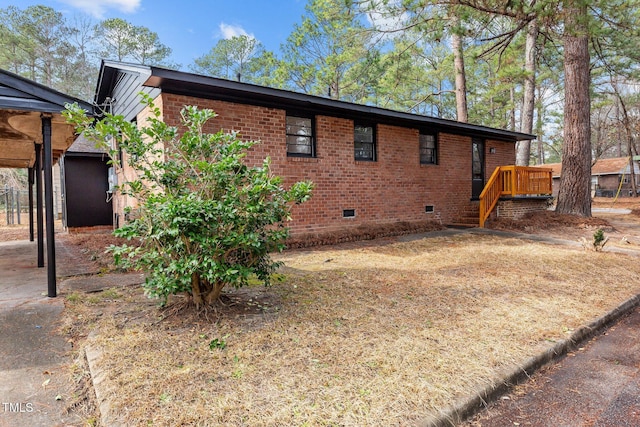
[(63, 191)]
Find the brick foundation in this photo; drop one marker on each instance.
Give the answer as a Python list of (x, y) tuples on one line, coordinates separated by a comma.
[(517, 208), (96, 229)]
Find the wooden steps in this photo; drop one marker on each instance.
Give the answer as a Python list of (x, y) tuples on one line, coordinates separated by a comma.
[(468, 218)]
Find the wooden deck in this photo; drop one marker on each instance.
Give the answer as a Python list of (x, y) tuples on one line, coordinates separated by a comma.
[(514, 181)]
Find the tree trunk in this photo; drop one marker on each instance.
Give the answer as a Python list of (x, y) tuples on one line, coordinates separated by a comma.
[(523, 152), (203, 293), (512, 113), (196, 292), (632, 176), (458, 61), (215, 293), (629, 135), (574, 196), (539, 129), (618, 136)]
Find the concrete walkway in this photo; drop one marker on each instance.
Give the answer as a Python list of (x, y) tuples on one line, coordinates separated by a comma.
[(35, 383), (622, 211), (36, 386)]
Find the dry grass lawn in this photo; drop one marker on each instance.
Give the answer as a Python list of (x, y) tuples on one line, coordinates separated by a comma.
[(379, 333), (382, 333)]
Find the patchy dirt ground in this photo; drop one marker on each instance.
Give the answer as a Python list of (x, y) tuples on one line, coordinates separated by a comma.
[(622, 229), (552, 224), (10, 233), (92, 247)]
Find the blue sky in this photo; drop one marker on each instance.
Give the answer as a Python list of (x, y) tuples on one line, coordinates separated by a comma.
[(191, 28)]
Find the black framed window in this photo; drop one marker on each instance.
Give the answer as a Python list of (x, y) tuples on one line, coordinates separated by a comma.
[(364, 137), (300, 140), (428, 149)]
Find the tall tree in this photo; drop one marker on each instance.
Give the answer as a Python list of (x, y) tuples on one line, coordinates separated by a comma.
[(523, 148), (35, 39), (628, 133), (265, 69), (42, 45), (12, 55), (123, 41), (416, 77), (495, 76), (426, 18), (525, 17), (574, 196), (462, 112), (117, 38), (320, 52), (232, 59), (48, 29), (82, 65), (147, 48)]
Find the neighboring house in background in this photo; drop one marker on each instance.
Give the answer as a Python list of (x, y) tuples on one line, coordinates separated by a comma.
[(606, 177), (371, 166), (85, 185)]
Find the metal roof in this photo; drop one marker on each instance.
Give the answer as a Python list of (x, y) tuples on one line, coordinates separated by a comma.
[(84, 147), (195, 85), (22, 102)]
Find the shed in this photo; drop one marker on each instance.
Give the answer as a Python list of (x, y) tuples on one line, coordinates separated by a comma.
[(87, 200)]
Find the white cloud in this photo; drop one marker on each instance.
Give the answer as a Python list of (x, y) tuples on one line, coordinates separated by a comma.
[(98, 8), (229, 31), (386, 16)]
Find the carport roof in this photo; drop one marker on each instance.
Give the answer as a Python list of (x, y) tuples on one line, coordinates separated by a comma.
[(22, 104)]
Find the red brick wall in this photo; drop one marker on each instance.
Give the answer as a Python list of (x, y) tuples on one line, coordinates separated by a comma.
[(517, 208), (394, 188), (504, 155)]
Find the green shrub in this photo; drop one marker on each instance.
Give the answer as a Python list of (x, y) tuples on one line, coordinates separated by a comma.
[(205, 219)]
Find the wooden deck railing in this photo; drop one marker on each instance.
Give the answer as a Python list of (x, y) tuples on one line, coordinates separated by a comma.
[(513, 181)]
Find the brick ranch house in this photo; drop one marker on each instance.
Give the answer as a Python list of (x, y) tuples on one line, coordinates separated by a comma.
[(373, 168)]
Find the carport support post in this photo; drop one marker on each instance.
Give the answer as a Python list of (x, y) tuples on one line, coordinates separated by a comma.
[(31, 204), (48, 196), (39, 215)]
